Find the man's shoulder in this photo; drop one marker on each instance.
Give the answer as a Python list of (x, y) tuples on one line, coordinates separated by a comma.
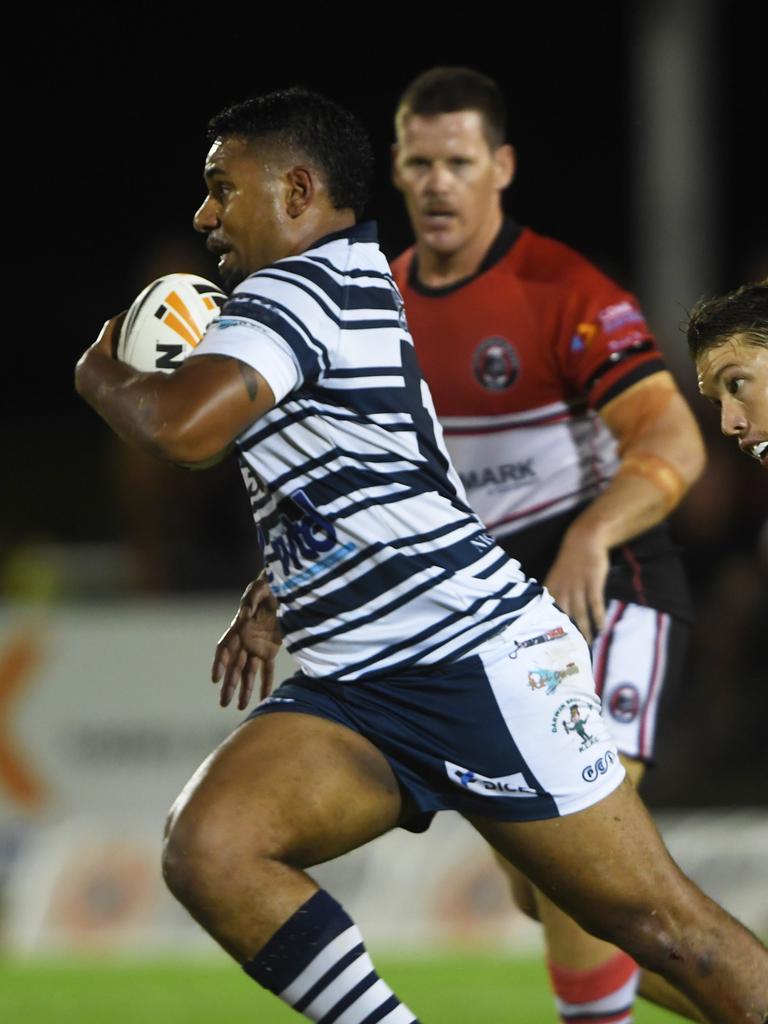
[(401, 265), (543, 258)]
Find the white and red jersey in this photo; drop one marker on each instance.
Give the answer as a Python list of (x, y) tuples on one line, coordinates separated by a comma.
[(520, 358)]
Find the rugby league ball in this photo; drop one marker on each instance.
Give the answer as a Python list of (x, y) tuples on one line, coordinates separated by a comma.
[(167, 321)]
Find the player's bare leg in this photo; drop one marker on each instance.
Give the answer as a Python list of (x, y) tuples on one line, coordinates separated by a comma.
[(284, 792), (588, 960), (608, 869)]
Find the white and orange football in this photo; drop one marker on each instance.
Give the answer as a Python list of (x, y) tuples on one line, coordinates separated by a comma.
[(167, 321)]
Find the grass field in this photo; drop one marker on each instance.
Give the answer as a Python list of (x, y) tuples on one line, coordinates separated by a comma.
[(442, 990)]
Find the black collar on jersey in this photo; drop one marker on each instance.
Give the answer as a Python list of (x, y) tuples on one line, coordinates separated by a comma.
[(365, 231), (502, 243)]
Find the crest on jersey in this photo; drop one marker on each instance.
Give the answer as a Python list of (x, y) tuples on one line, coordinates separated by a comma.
[(496, 364), (574, 716)]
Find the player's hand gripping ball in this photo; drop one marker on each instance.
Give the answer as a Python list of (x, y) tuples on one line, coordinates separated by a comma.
[(167, 321)]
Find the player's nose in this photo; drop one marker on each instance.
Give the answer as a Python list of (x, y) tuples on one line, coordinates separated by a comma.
[(732, 418), (206, 217), (438, 179)]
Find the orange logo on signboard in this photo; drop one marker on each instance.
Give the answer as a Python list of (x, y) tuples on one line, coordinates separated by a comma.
[(18, 660)]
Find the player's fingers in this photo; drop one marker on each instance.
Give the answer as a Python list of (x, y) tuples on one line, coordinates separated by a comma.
[(578, 610), (226, 649), (232, 677), (267, 677), (597, 608), (247, 681), (221, 659)]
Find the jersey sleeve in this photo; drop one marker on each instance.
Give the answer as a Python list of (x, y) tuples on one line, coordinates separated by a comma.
[(607, 345), (263, 325)]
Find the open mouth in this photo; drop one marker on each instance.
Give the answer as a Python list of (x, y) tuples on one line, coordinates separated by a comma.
[(220, 249), (438, 216), (759, 451)]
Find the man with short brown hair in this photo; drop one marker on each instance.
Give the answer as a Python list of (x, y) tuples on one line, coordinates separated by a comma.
[(568, 432)]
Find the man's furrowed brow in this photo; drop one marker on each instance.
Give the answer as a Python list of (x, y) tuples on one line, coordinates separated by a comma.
[(721, 370)]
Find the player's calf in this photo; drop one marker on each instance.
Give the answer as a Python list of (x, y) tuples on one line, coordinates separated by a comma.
[(629, 892)]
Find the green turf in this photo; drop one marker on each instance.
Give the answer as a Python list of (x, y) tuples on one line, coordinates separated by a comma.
[(453, 989)]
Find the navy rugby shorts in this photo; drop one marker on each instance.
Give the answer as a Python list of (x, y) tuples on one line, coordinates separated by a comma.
[(513, 732)]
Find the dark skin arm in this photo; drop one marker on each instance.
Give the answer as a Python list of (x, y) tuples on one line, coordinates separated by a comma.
[(190, 416)]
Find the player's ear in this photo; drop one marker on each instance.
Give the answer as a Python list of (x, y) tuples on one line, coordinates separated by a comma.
[(299, 190), (504, 163)]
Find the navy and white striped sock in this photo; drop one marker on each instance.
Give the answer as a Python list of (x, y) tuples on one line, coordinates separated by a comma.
[(317, 963)]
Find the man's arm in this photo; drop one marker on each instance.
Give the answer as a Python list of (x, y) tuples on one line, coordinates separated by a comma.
[(662, 455), (190, 416)]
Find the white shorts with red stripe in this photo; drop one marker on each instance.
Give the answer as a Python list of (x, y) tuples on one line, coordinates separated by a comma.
[(633, 658)]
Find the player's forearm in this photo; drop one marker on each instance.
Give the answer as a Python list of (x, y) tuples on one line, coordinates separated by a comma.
[(629, 506), (135, 405), (655, 473)]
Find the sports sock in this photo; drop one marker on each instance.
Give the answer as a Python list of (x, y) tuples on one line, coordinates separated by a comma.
[(600, 995), (317, 963)]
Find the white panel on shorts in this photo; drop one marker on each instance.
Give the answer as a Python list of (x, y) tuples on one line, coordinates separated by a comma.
[(630, 661), (540, 672)]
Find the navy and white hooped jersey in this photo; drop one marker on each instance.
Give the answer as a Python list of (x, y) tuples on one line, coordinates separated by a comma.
[(376, 558)]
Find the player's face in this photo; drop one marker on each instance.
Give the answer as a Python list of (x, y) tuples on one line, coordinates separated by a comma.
[(243, 215), (734, 376), (451, 178)]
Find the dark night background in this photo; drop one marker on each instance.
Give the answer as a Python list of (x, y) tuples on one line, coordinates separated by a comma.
[(105, 159)]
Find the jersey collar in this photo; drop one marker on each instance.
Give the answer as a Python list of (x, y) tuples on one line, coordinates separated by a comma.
[(365, 231), (506, 238)]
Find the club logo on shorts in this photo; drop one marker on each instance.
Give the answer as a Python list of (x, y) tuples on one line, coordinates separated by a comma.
[(503, 785), (496, 364), (542, 638), (600, 767), (624, 703), (538, 678), (574, 715)]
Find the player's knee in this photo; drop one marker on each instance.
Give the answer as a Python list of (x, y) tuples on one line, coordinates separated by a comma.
[(207, 844), (185, 860), (653, 935), (196, 853)]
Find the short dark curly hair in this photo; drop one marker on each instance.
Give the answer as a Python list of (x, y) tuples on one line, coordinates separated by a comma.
[(448, 90), (327, 134), (742, 312)]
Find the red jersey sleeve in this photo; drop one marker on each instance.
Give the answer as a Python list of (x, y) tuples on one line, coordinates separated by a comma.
[(605, 343)]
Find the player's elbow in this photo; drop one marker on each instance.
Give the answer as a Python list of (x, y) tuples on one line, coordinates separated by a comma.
[(183, 440)]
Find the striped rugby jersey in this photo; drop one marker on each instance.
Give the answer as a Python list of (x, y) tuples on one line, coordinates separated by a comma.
[(376, 558)]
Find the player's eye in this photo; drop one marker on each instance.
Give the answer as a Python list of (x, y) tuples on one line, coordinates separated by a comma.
[(733, 386)]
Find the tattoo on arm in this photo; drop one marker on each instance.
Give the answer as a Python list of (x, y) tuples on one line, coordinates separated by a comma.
[(249, 375), (250, 379)]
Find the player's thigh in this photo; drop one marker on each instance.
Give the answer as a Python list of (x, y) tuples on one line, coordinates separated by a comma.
[(521, 888), (290, 785), (603, 865), (635, 769)]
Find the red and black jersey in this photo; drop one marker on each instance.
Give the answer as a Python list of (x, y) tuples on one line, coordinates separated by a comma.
[(520, 358)]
